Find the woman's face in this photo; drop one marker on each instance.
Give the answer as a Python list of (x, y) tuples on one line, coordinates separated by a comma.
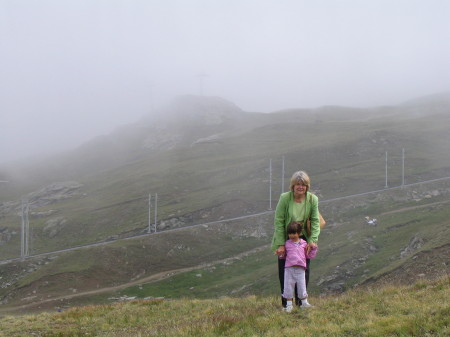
[(299, 188)]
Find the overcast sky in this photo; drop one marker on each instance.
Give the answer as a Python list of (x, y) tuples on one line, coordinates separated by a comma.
[(74, 69)]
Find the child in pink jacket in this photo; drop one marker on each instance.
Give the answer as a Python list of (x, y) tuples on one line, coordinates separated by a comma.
[(294, 269)]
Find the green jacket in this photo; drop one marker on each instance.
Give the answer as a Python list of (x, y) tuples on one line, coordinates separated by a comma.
[(283, 217)]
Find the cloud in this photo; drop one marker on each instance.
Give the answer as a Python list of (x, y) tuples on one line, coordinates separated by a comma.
[(71, 70)]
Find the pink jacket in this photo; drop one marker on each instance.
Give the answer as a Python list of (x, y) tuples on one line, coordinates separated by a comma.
[(296, 253)]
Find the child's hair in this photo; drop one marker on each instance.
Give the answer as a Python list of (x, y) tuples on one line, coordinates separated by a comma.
[(295, 227)]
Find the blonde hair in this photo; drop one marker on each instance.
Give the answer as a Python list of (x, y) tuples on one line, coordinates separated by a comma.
[(300, 177)]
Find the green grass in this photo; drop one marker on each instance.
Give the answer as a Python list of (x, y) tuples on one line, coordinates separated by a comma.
[(420, 309), (229, 277), (345, 254)]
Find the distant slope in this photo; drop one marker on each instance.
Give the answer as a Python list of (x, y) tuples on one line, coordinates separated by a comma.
[(435, 101), (204, 152)]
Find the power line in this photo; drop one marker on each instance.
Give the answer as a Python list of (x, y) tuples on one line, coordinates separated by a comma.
[(224, 220)]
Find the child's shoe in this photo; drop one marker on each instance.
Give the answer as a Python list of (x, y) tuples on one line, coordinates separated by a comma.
[(305, 304), (288, 308)]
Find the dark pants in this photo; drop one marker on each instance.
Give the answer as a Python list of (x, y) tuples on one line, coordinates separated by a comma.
[(281, 263)]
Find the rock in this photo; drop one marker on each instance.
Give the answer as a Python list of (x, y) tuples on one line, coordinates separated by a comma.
[(177, 249), (211, 139), (8, 206), (171, 223), (43, 214), (336, 287), (414, 244), (54, 226), (5, 235)]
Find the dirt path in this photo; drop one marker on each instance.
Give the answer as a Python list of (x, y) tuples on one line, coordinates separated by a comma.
[(148, 279), (415, 207)]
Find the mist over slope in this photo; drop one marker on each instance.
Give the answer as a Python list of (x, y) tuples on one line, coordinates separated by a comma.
[(191, 120), (202, 152)]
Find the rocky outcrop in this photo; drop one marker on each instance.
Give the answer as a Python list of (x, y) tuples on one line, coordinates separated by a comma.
[(50, 194), (210, 139), (337, 280), (54, 226), (174, 222), (54, 193), (6, 234), (414, 245), (178, 248), (8, 206)]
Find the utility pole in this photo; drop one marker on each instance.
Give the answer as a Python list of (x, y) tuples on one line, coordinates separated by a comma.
[(149, 213), (156, 208), (386, 185), (270, 184), (24, 236), (22, 233), (403, 167), (282, 176), (149, 230)]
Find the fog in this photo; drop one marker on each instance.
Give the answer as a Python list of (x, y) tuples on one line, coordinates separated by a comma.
[(74, 69)]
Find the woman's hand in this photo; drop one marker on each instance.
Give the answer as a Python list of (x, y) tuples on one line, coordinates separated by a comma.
[(310, 246), (280, 251)]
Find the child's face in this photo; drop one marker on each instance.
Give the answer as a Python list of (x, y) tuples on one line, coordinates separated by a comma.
[(294, 236)]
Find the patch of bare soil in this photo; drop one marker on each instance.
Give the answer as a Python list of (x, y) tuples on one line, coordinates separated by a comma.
[(400, 210), (425, 265)]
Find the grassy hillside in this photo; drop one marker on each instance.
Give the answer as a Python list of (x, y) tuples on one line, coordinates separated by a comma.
[(232, 258), (343, 149), (419, 309)]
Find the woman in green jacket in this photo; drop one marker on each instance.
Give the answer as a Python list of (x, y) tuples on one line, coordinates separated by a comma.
[(296, 205)]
